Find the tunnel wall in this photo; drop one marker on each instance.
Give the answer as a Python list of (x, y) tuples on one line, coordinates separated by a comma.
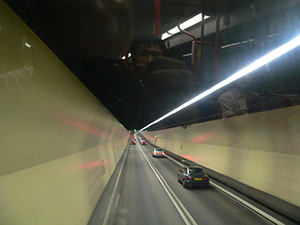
[(59, 145), (264, 154)]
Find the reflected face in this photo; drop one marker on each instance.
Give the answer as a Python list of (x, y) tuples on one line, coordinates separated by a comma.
[(146, 54), (246, 81), (244, 84), (89, 28)]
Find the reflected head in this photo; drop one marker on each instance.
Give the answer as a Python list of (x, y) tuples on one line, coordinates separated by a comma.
[(88, 28), (145, 48)]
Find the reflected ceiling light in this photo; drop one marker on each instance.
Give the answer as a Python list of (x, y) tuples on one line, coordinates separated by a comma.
[(129, 54), (237, 43), (192, 21), (248, 69), (27, 45), (272, 35)]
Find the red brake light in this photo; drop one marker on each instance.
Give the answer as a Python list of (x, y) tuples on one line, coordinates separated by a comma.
[(189, 178), (205, 178), (163, 153)]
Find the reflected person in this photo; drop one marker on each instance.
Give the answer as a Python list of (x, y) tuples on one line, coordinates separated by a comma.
[(95, 34), (167, 81), (234, 104), (144, 49)]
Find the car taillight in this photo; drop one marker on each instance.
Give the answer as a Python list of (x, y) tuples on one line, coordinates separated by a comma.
[(163, 153), (205, 178), (154, 153), (189, 178)]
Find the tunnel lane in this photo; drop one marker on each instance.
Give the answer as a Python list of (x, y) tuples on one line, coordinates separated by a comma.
[(145, 201)]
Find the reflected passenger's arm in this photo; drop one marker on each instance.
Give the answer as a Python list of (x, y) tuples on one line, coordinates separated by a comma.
[(227, 110)]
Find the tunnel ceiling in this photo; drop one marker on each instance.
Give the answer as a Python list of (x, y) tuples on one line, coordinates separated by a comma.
[(144, 15)]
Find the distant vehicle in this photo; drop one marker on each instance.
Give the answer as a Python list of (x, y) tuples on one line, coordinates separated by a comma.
[(158, 152), (191, 176), (143, 142), (132, 142)]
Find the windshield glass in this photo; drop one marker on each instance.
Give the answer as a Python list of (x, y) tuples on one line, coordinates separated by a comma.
[(196, 170)]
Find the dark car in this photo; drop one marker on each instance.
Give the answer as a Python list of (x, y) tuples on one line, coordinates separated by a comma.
[(143, 142), (132, 142), (158, 152), (193, 176)]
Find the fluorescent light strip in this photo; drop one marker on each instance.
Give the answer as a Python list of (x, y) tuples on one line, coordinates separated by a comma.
[(194, 20), (237, 43), (248, 69)]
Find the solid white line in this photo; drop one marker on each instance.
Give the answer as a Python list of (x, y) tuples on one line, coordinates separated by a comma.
[(246, 204), (187, 218), (113, 196), (238, 199)]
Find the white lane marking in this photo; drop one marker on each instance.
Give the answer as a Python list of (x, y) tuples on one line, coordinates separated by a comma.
[(247, 205), (113, 196), (186, 216), (239, 200)]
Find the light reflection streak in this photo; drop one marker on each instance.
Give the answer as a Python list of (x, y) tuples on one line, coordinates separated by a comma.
[(203, 137), (248, 69), (191, 158), (93, 164)]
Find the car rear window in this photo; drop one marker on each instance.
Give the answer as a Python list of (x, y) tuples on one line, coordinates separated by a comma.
[(196, 170)]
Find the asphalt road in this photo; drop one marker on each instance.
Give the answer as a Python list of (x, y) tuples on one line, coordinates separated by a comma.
[(150, 194)]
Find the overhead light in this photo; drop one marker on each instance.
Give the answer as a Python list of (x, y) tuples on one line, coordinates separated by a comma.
[(237, 43), (248, 69), (192, 21), (27, 45), (129, 54)]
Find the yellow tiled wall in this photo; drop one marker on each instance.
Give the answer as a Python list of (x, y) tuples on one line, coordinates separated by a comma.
[(266, 155), (59, 145)]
